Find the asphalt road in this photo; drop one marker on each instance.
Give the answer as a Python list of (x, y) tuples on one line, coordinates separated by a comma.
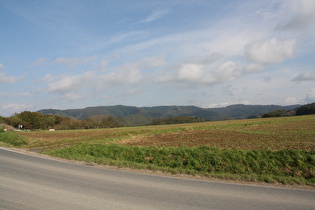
[(31, 182)]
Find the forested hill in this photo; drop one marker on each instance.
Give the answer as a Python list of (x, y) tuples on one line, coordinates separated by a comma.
[(131, 115)]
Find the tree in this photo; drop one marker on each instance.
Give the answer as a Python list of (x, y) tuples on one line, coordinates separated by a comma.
[(158, 121), (101, 121), (276, 113), (48, 121), (2, 119), (177, 120), (35, 120), (14, 120), (306, 109)]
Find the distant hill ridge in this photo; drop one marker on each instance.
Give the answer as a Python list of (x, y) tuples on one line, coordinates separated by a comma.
[(131, 115)]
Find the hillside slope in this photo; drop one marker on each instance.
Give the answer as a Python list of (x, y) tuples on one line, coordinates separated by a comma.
[(131, 115)]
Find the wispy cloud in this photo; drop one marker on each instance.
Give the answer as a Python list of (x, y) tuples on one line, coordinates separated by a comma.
[(304, 76), (303, 16), (8, 79), (69, 83), (155, 16), (71, 62), (4, 94), (16, 107), (310, 97), (39, 61), (133, 72)]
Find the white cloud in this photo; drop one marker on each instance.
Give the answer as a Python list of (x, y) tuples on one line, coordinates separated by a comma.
[(121, 77), (105, 97), (74, 96), (131, 73), (218, 105), (48, 77), (16, 107), (4, 94), (70, 83), (270, 51), (75, 87), (229, 71), (146, 63), (102, 66), (25, 94), (303, 15), (39, 61), (13, 95), (304, 76), (8, 79), (230, 40), (207, 59), (71, 62), (191, 72), (292, 100), (310, 97), (205, 73), (155, 16)]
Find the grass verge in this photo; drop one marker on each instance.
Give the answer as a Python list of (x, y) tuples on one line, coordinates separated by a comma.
[(12, 138), (284, 166)]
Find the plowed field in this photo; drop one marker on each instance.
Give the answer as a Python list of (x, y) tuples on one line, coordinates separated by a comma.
[(296, 133)]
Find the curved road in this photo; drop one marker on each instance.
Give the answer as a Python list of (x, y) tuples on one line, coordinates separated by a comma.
[(31, 182)]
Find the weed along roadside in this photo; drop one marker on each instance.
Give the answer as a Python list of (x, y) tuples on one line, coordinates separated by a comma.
[(273, 150)]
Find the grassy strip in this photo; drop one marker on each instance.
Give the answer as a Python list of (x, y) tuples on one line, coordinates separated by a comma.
[(11, 138), (285, 166)]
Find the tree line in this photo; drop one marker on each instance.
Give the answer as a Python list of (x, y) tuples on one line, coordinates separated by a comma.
[(306, 109), (35, 120), (302, 110), (177, 120)]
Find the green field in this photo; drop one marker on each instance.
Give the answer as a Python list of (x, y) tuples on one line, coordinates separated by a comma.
[(272, 150)]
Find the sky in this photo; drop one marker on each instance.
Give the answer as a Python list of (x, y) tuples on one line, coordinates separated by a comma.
[(65, 54)]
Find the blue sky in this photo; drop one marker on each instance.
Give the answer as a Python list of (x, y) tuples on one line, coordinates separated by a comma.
[(66, 54)]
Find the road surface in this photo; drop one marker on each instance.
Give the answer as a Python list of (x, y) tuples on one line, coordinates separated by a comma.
[(31, 182)]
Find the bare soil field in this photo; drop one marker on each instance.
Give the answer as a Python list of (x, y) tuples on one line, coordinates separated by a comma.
[(297, 133)]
